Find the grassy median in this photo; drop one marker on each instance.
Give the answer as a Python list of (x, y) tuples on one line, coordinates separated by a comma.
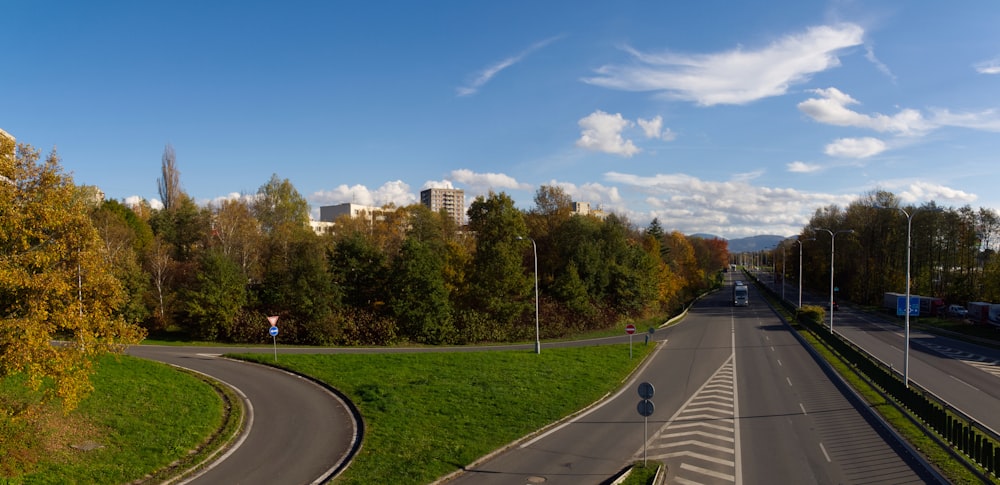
[(141, 423), (429, 414)]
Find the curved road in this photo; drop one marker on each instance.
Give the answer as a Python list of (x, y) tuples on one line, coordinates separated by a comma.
[(738, 400), (295, 431)]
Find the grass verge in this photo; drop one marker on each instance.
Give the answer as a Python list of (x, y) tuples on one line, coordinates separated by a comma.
[(429, 414), (139, 425)]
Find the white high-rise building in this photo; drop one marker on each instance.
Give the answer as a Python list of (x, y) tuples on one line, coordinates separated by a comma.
[(451, 200)]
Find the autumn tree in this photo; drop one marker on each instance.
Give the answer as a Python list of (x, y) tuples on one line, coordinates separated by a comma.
[(55, 283), (126, 238), (237, 233)]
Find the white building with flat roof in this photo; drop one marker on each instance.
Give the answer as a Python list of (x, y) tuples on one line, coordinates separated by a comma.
[(330, 213)]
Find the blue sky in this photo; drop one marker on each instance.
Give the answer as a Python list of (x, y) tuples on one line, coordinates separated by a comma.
[(729, 118)]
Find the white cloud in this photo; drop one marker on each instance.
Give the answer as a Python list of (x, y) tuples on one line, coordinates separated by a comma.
[(737, 76), (135, 201), (395, 192), (653, 128), (803, 167), (487, 74), (991, 66), (831, 108), (434, 184), (594, 193), (481, 183), (733, 208), (987, 120), (231, 196), (602, 132), (918, 191), (855, 147), (884, 69)]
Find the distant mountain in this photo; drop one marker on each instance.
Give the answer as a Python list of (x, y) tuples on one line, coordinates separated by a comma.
[(746, 244), (754, 243)]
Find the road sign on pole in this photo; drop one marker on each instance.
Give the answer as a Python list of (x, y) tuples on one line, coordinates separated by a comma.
[(646, 390), (274, 334), (630, 329), (645, 408)]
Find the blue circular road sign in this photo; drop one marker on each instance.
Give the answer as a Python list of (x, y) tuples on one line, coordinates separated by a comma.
[(273, 331)]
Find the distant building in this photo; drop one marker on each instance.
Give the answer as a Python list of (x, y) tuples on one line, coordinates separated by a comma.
[(583, 209), (452, 201), (8, 145), (330, 213)]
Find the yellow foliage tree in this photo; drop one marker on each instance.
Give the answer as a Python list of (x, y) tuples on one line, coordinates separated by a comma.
[(57, 296)]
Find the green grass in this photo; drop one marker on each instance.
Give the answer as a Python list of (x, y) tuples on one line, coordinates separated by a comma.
[(642, 474), (145, 416), (429, 414)]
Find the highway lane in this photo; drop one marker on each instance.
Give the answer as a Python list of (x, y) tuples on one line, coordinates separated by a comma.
[(297, 432), (964, 374), (798, 425), (738, 400)]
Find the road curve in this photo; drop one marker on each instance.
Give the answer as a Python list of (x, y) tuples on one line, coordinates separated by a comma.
[(296, 431)]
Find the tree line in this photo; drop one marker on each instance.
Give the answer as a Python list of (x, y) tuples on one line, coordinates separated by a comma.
[(953, 251), (215, 272)]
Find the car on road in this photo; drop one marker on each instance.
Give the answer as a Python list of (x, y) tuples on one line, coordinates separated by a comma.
[(957, 311)]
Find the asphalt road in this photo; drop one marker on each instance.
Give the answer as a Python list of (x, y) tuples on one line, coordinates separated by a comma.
[(737, 400), (296, 432), (964, 374)]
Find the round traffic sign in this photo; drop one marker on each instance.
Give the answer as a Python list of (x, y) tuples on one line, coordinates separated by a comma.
[(645, 407), (646, 390), (630, 329), (273, 331)]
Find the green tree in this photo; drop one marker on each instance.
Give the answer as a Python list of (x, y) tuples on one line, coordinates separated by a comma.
[(54, 282), (499, 283), (420, 299), (218, 294), (360, 271)]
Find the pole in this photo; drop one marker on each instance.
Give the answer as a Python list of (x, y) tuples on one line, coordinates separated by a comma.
[(645, 437), (906, 332), (274, 340), (534, 250), (782, 274), (833, 239), (538, 341), (906, 324), (800, 273)]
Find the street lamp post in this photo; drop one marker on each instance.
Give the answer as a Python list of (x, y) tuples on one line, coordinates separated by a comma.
[(833, 238), (534, 250), (783, 273), (799, 242), (906, 324)]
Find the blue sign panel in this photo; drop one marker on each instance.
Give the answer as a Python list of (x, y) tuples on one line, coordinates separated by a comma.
[(914, 306), (273, 331)]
